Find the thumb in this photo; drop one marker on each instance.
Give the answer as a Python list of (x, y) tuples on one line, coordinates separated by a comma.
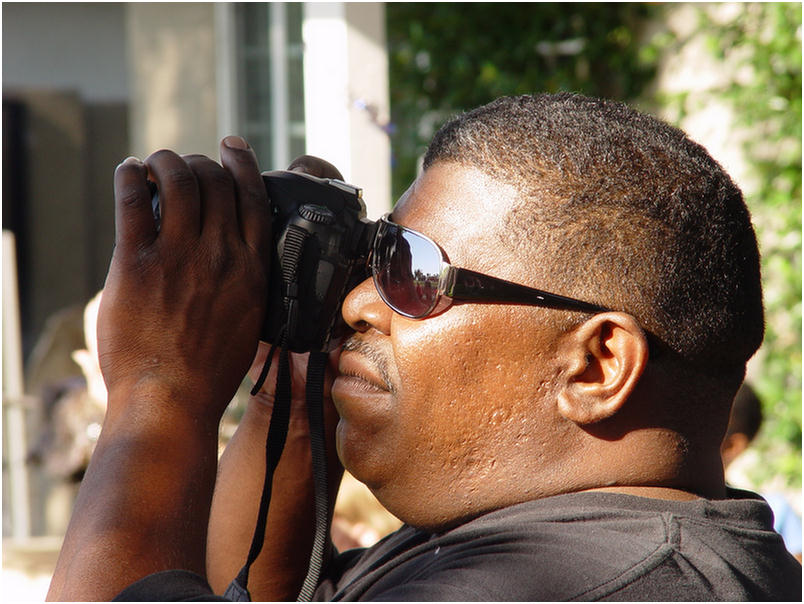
[(315, 166)]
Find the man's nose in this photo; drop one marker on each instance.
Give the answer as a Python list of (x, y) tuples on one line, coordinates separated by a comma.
[(363, 309)]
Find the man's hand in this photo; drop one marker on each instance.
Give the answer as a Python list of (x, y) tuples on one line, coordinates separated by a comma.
[(183, 306), (177, 329)]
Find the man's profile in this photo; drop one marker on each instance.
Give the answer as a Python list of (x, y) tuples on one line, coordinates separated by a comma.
[(562, 445)]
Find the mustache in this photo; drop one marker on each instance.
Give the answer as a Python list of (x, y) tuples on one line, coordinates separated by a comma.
[(355, 344)]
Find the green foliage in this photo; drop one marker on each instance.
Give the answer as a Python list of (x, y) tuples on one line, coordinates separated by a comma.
[(763, 47), (450, 57)]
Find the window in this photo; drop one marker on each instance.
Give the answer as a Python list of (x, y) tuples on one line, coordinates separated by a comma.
[(270, 80)]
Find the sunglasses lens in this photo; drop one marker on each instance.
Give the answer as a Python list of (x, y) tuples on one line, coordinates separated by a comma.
[(406, 269)]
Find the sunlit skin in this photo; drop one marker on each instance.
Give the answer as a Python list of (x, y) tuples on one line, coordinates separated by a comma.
[(478, 407)]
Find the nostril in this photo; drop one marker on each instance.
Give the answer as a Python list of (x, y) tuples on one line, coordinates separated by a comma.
[(363, 309)]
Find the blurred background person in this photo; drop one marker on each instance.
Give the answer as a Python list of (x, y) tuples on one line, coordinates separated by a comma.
[(744, 423)]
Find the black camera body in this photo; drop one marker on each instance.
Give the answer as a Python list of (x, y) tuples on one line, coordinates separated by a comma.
[(321, 242)]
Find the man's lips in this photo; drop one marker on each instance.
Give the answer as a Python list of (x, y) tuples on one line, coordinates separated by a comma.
[(355, 366)]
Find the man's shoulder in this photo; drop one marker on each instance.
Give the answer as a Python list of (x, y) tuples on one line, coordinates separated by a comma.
[(574, 546)]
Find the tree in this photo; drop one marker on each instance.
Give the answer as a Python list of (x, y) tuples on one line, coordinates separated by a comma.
[(763, 46), (450, 57)]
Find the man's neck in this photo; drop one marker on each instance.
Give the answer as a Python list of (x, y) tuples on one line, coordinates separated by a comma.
[(660, 492)]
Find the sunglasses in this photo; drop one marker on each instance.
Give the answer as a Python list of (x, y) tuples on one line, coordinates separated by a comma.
[(413, 277)]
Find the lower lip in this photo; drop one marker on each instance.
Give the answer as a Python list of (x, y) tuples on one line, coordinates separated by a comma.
[(348, 385), (362, 406)]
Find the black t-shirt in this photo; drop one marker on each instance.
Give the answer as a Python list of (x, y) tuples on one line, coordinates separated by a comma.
[(578, 546)]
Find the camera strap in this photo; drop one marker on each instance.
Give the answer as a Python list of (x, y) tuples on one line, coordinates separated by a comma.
[(278, 430), (316, 368)]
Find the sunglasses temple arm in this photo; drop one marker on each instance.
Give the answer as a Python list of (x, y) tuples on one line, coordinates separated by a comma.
[(463, 284)]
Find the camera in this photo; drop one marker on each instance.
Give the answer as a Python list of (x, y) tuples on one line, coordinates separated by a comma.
[(321, 242)]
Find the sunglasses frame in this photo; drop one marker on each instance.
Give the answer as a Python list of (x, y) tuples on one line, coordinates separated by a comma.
[(465, 285)]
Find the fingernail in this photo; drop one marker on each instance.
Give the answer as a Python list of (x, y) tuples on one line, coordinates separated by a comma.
[(235, 142), (132, 160)]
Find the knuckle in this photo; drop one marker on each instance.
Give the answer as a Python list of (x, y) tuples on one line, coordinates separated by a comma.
[(220, 263), (125, 169), (191, 158), (210, 172), (170, 171), (128, 196), (220, 179), (315, 166), (179, 178), (161, 156)]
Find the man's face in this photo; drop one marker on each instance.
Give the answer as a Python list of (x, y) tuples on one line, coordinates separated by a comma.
[(452, 415)]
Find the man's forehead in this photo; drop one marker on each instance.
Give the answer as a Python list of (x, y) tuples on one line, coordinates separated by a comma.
[(452, 198)]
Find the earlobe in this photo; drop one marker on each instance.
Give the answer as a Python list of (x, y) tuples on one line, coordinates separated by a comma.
[(605, 358)]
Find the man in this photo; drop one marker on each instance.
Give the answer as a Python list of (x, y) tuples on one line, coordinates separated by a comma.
[(552, 448)]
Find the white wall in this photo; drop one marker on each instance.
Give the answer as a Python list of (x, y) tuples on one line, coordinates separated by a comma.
[(172, 65), (78, 47)]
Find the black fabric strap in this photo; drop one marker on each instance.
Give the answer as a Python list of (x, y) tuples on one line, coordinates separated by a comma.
[(316, 367), (295, 238), (292, 251), (266, 366), (274, 444)]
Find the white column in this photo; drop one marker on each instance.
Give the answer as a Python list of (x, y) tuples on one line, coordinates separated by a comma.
[(13, 396), (326, 92), (280, 114), (346, 94), (226, 69), (369, 109)]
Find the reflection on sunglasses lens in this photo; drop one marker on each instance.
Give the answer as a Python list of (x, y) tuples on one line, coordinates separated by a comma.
[(407, 267)]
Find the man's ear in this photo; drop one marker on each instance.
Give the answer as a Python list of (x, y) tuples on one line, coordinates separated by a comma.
[(605, 356)]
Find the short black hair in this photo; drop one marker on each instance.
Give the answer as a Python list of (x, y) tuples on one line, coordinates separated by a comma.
[(639, 218)]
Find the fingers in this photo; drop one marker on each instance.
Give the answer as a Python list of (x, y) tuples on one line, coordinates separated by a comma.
[(216, 189), (252, 203), (197, 195), (179, 196), (134, 219), (315, 166)]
